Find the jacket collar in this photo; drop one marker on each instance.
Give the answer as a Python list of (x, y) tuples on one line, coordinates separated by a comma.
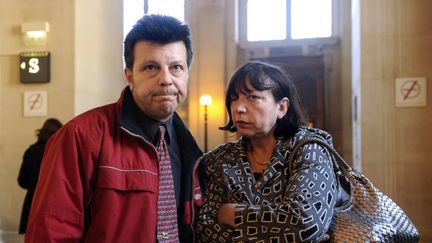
[(129, 114), (129, 120), (241, 145), (240, 160)]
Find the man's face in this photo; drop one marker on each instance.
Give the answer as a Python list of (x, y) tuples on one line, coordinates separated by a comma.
[(158, 79)]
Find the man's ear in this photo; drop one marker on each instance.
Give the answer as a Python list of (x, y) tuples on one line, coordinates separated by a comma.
[(283, 107), (129, 77)]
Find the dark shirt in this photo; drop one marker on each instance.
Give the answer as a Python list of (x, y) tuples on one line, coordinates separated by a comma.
[(150, 128)]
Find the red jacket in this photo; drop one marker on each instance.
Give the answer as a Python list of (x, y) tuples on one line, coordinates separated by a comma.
[(99, 180)]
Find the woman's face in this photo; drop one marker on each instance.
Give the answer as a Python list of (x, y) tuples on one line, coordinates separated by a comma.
[(255, 113)]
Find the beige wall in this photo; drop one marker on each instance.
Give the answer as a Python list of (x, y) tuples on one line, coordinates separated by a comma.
[(85, 42), (396, 37), (98, 53), (16, 131)]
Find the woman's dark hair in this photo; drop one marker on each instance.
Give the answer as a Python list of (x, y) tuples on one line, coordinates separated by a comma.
[(50, 126), (264, 76), (162, 29)]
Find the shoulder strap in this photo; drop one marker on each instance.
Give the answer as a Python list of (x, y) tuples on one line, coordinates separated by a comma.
[(338, 162), (342, 169)]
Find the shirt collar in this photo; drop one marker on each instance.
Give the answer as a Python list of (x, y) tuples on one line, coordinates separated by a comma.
[(151, 127)]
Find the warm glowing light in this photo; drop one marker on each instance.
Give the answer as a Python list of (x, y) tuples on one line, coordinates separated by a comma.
[(205, 100), (36, 34)]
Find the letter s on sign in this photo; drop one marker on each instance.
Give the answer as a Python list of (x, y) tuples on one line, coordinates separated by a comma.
[(34, 67)]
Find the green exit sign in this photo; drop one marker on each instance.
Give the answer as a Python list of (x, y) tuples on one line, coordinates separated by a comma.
[(34, 67)]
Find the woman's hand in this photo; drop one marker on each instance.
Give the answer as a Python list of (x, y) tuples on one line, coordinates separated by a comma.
[(325, 238), (226, 214)]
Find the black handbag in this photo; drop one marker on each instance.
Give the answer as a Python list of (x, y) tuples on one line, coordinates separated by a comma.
[(368, 215)]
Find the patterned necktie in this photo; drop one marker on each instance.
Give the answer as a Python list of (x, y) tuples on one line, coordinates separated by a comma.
[(167, 231)]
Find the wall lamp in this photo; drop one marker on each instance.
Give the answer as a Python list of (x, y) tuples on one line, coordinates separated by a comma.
[(205, 100), (35, 33)]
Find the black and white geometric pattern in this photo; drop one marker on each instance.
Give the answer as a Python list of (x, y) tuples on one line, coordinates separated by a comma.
[(281, 206)]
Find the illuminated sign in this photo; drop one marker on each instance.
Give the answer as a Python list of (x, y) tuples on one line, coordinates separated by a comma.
[(34, 67)]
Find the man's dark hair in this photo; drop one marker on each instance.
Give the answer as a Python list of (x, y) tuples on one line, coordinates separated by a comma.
[(162, 29), (264, 76)]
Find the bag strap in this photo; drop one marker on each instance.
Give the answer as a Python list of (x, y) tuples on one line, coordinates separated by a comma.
[(338, 162), (342, 169)]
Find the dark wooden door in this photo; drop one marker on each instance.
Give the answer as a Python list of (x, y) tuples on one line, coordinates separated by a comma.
[(307, 73)]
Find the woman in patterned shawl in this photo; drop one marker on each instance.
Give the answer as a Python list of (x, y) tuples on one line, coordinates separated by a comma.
[(251, 195)]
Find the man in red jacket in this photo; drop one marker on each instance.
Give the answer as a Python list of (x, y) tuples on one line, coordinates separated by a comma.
[(100, 175)]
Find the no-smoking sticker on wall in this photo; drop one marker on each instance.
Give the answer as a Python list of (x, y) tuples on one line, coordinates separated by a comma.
[(411, 92), (35, 103)]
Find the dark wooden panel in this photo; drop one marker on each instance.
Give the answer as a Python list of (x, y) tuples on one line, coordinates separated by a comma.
[(307, 73)]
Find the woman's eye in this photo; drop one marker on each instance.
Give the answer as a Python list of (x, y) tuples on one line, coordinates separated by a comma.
[(253, 97), (233, 97)]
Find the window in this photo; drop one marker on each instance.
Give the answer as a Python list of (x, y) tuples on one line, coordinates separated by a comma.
[(174, 8), (134, 9), (285, 19)]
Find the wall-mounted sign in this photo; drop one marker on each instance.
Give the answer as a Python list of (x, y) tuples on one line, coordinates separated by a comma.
[(410, 92), (35, 103), (34, 67)]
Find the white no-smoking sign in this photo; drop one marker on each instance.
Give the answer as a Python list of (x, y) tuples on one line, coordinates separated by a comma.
[(411, 92), (35, 103)]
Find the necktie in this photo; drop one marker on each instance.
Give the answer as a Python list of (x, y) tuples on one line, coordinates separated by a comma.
[(167, 231)]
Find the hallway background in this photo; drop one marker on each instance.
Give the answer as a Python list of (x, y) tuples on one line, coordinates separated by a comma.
[(376, 43)]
